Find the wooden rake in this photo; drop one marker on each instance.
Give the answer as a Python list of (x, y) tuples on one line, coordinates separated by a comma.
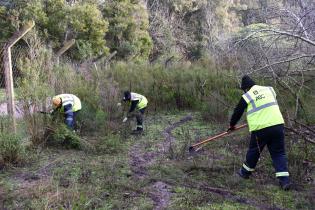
[(196, 147)]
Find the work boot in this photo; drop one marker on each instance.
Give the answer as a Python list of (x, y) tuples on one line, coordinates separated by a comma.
[(243, 174), (285, 184), (137, 131)]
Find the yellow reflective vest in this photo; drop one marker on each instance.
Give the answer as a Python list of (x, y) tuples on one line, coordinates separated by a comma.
[(69, 99), (143, 101), (262, 108)]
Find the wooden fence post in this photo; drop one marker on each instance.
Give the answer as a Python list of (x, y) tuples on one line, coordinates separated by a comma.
[(65, 47), (8, 69)]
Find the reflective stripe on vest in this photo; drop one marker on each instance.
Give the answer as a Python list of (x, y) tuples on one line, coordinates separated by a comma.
[(255, 109), (70, 99), (143, 101), (262, 108)]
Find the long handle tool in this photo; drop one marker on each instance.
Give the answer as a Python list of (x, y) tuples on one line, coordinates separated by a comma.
[(193, 148), (43, 112)]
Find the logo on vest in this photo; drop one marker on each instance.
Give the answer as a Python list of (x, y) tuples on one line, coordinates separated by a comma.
[(259, 97)]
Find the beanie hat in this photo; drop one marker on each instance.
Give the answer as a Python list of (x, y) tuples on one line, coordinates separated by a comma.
[(247, 83), (127, 96)]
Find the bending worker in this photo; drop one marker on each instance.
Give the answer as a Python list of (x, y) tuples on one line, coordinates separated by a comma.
[(138, 104), (69, 105), (266, 125)]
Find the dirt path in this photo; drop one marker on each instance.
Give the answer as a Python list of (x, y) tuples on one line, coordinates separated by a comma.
[(140, 160), (159, 191)]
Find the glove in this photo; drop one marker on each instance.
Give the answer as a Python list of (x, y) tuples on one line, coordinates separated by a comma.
[(125, 119), (231, 128)]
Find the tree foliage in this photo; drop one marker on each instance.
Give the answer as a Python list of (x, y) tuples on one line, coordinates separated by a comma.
[(128, 29), (155, 30), (5, 24), (57, 21)]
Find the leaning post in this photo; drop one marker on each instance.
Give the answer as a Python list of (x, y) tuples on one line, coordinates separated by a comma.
[(9, 84)]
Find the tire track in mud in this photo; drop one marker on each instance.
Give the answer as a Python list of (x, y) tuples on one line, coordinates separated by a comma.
[(140, 160)]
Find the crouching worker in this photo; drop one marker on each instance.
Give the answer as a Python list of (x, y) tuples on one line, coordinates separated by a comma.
[(266, 125), (138, 104), (69, 105)]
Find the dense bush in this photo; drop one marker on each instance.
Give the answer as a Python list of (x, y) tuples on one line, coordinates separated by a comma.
[(11, 149), (57, 21), (177, 87), (65, 137), (128, 30), (199, 86)]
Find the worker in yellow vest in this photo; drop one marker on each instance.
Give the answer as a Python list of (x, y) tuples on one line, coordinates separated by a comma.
[(266, 125), (69, 105), (138, 104)]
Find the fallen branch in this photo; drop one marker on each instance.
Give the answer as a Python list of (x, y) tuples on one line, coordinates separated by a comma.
[(303, 125), (300, 134)]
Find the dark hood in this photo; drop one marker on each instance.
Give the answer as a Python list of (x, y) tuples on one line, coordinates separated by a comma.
[(247, 83), (127, 96)]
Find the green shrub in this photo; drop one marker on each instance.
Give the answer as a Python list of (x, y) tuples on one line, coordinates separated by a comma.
[(214, 112), (90, 119), (65, 137), (4, 123), (193, 87), (11, 149), (127, 35)]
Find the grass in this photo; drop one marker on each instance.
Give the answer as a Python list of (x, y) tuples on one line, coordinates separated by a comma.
[(2, 94), (105, 179)]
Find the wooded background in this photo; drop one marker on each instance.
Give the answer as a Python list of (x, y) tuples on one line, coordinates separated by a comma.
[(184, 56)]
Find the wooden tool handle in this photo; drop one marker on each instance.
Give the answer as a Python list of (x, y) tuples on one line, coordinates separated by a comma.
[(218, 136)]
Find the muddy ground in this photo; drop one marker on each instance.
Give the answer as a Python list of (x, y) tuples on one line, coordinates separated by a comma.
[(156, 171)]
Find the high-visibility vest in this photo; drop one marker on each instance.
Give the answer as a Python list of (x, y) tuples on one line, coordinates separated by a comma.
[(67, 99), (143, 101), (262, 108)]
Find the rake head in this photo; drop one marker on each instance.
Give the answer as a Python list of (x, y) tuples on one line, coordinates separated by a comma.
[(191, 149)]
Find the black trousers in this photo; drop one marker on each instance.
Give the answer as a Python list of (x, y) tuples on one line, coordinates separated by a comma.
[(139, 115), (273, 137), (70, 120)]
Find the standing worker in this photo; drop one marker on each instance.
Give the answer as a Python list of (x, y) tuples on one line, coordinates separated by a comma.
[(138, 104), (69, 105), (266, 125)]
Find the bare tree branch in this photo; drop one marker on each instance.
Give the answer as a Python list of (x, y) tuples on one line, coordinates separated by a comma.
[(300, 134), (283, 61)]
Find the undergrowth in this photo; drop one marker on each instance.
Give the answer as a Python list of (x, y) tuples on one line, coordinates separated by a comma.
[(105, 178), (12, 150)]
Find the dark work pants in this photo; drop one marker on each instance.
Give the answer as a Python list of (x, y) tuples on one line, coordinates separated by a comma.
[(70, 120), (273, 137), (139, 114)]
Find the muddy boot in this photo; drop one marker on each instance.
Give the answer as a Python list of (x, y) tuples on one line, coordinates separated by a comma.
[(244, 174), (285, 183), (137, 131)]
